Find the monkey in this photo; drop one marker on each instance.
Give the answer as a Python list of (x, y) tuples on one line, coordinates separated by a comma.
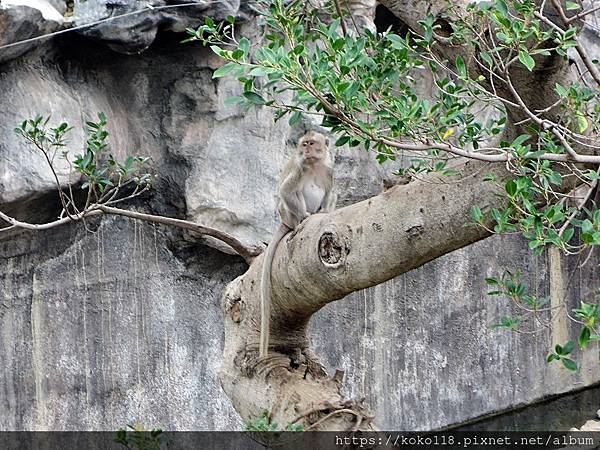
[(305, 188)]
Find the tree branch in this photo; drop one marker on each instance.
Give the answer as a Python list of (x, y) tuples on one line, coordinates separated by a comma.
[(248, 252), (594, 72)]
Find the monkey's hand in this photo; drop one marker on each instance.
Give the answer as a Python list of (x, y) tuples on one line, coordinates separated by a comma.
[(300, 219), (302, 215)]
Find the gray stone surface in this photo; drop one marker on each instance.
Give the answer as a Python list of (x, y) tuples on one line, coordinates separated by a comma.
[(559, 413), (120, 323), (25, 19), (107, 328), (184, 125), (136, 30)]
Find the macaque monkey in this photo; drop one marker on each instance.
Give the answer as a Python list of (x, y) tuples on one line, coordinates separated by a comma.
[(305, 188)]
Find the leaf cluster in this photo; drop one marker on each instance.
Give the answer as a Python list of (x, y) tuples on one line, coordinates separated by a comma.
[(263, 423), (135, 438), (104, 178), (532, 308)]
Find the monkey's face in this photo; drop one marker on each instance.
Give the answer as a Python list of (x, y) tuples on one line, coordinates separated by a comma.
[(312, 149)]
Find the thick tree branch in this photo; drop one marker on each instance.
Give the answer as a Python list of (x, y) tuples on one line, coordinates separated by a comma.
[(373, 241)]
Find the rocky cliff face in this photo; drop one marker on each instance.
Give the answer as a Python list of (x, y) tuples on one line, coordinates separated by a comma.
[(116, 321)]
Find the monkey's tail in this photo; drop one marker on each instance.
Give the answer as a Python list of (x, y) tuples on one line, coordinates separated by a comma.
[(265, 289)]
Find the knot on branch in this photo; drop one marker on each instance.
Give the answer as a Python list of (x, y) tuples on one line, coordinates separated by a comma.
[(232, 300), (332, 249)]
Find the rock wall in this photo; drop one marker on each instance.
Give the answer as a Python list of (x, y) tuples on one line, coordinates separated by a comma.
[(116, 322)]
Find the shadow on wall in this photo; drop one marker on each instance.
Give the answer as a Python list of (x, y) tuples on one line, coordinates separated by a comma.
[(557, 414)]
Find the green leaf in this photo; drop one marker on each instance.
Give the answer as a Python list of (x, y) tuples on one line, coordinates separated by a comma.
[(237, 54), (295, 118), (511, 188), (587, 226), (218, 50), (558, 349), (487, 58), (535, 244), (224, 70), (582, 122), (502, 7), (560, 90), (520, 140), (587, 238), (526, 59), (569, 364), (254, 98), (244, 45), (342, 141), (86, 160), (572, 6), (494, 293), (461, 67), (568, 348), (553, 357), (476, 214), (584, 337), (568, 234), (259, 72)]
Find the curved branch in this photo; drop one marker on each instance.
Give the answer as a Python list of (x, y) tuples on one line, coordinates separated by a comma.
[(248, 252), (365, 244)]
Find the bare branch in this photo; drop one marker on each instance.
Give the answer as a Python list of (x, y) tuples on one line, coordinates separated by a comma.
[(46, 226), (248, 252), (339, 11)]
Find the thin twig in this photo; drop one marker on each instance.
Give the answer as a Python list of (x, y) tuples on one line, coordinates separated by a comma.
[(342, 23)]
